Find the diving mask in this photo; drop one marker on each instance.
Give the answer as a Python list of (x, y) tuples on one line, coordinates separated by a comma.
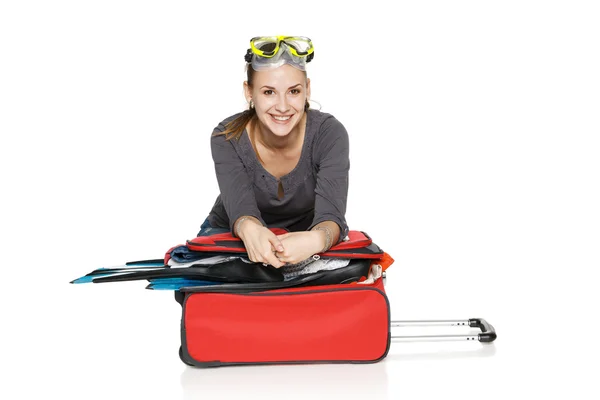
[(268, 52)]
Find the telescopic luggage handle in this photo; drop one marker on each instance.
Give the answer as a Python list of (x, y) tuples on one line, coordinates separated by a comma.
[(487, 335)]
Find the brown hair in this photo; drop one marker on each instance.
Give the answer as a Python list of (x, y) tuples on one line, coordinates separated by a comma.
[(235, 128)]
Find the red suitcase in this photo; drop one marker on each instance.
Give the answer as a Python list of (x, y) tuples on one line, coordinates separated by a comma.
[(330, 316), (344, 323)]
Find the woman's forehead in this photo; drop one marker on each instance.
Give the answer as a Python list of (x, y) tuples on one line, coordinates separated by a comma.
[(284, 76)]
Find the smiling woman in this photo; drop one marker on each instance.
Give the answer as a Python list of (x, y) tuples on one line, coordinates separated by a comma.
[(280, 163)]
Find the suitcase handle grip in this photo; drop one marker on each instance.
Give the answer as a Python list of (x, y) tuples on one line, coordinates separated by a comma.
[(488, 333)]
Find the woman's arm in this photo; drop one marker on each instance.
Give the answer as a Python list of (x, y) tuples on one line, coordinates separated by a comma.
[(329, 232), (332, 159), (235, 183), (237, 194)]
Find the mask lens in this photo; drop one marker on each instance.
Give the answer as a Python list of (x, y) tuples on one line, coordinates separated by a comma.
[(266, 44), (302, 45)]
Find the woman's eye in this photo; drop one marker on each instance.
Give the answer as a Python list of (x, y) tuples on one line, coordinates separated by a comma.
[(268, 92), (295, 91)]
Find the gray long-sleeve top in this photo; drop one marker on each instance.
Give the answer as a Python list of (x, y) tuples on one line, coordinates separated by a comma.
[(316, 190)]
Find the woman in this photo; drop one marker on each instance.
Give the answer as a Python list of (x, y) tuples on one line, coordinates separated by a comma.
[(279, 163)]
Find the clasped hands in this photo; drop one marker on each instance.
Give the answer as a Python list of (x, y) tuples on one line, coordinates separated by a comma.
[(264, 246)]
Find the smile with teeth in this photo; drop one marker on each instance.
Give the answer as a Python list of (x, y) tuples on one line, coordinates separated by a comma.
[(281, 117)]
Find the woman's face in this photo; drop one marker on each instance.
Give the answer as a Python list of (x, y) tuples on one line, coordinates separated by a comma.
[(279, 96)]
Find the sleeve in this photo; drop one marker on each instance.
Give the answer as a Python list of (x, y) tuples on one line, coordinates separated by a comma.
[(333, 164), (235, 183)]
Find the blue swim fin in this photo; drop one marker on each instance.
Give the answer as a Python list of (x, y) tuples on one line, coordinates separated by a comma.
[(177, 283)]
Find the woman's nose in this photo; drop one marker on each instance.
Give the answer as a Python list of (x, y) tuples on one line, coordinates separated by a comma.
[(282, 104)]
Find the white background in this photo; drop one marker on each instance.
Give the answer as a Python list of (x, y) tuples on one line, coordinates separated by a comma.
[(474, 162)]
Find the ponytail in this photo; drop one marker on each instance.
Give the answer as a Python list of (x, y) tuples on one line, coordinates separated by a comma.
[(235, 128)]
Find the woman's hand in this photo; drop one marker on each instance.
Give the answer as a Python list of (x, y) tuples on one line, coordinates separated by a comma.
[(261, 244), (300, 245)]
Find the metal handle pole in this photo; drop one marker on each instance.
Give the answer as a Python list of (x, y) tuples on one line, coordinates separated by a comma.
[(462, 322), (488, 333), (433, 338)]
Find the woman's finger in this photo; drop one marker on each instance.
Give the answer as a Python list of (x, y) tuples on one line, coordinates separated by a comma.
[(276, 243), (252, 257), (286, 259), (273, 260)]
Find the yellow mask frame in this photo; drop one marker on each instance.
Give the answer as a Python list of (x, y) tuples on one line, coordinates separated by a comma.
[(278, 40)]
